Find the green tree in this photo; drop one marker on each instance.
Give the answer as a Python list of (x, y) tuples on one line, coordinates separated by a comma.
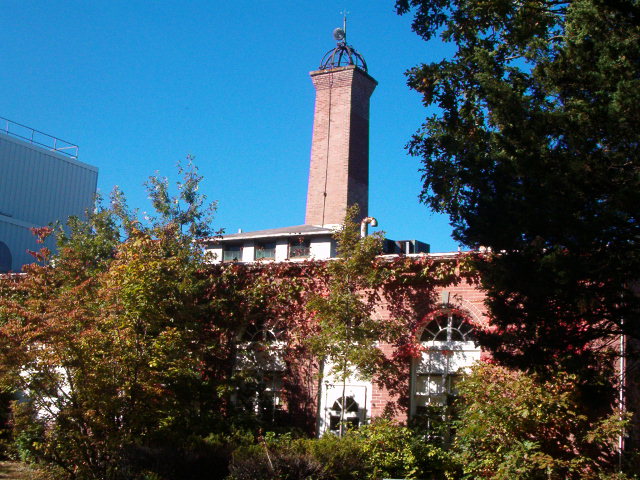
[(347, 333), (105, 338), (189, 209), (514, 425), (533, 150)]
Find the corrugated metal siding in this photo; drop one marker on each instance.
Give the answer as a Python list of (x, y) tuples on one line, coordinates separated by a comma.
[(38, 187), (19, 240)]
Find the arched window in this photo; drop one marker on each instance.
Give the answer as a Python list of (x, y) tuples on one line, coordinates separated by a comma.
[(448, 348), (351, 414), (261, 361)]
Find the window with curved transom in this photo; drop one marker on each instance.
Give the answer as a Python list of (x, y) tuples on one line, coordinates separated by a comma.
[(261, 360), (351, 414), (448, 349)]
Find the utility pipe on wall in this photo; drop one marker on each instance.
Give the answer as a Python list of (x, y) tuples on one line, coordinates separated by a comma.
[(364, 224)]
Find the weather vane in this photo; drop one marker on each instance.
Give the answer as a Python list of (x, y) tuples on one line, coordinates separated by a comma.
[(340, 34), (342, 54)]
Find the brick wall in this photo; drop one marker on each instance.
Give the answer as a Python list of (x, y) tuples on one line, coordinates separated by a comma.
[(390, 397), (391, 391)]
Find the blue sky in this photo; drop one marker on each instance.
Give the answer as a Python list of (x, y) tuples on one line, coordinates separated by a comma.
[(138, 85)]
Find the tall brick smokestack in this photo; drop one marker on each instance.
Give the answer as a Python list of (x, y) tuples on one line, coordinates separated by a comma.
[(339, 169)]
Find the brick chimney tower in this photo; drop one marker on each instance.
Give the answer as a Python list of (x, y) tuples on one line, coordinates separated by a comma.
[(339, 169)]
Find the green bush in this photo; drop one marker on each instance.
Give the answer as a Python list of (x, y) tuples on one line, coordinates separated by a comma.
[(260, 462), (514, 425), (193, 458), (343, 458), (5, 425), (395, 451), (27, 434), (383, 449)]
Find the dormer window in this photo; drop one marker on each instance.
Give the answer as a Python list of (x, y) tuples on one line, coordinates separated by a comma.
[(265, 251), (299, 248)]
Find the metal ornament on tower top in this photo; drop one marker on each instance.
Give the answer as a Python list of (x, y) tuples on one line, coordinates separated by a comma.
[(343, 54)]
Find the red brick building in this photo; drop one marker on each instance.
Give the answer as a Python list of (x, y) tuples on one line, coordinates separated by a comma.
[(339, 178)]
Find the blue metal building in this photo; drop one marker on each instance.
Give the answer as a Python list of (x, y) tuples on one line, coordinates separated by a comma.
[(41, 182)]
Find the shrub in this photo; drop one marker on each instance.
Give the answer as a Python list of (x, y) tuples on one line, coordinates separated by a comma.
[(381, 450), (5, 427), (259, 462), (392, 450), (27, 435), (514, 425), (343, 458), (193, 458)]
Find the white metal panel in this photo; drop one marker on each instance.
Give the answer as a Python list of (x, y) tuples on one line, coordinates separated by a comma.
[(320, 248), (216, 252), (282, 250), (248, 252)]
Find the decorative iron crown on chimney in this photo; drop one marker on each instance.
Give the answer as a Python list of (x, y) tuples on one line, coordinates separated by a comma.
[(339, 168)]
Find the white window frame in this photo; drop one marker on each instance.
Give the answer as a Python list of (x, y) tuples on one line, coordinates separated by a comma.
[(263, 353), (448, 350)]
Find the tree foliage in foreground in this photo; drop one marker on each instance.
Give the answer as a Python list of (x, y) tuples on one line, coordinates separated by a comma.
[(534, 151), (131, 349), (347, 332), (514, 425), (105, 338)]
